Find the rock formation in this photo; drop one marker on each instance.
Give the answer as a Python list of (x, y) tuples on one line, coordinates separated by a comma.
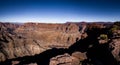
[(34, 38), (64, 59), (59, 44), (115, 47)]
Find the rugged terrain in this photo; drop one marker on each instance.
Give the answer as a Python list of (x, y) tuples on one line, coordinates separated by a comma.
[(60, 44)]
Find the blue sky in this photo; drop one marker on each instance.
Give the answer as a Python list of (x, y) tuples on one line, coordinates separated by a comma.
[(59, 11)]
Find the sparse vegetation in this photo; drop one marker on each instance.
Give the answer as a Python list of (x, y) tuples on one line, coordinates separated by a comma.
[(115, 29), (103, 37), (117, 23)]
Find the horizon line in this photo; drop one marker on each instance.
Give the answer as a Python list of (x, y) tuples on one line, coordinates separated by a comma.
[(63, 22)]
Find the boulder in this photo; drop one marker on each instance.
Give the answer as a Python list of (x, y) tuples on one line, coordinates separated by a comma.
[(64, 59)]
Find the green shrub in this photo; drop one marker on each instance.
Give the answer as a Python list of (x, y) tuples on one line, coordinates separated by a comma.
[(114, 28), (103, 37)]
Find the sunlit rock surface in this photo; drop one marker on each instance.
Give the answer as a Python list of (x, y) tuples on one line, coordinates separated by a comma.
[(34, 38)]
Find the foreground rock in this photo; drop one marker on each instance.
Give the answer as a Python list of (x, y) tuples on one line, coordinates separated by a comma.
[(80, 56), (75, 59), (65, 59)]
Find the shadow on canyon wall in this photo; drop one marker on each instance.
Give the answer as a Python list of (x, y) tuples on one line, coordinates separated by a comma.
[(97, 54), (41, 59)]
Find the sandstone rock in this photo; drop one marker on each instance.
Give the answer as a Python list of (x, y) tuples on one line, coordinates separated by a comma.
[(64, 59), (103, 41), (31, 64), (79, 55), (115, 46), (35, 38), (15, 62)]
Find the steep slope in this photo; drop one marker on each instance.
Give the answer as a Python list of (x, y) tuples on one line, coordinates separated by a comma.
[(34, 38), (60, 44), (115, 48)]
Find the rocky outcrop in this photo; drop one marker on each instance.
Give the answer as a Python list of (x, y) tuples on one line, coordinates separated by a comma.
[(79, 55), (115, 48), (34, 38), (75, 59), (64, 59), (9, 27)]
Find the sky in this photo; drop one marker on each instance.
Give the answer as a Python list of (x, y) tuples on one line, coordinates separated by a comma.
[(59, 11)]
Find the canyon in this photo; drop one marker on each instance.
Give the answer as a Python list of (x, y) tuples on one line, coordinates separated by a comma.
[(60, 44)]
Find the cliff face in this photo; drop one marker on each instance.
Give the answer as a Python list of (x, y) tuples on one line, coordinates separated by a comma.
[(34, 38), (59, 44), (52, 35), (115, 48)]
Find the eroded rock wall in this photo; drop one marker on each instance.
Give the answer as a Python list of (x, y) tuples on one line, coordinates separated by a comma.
[(34, 38)]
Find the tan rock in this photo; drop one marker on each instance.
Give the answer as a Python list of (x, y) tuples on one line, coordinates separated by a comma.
[(34, 38), (64, 59)]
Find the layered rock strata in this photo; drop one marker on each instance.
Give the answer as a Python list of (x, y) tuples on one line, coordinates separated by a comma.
[(34, 38)]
